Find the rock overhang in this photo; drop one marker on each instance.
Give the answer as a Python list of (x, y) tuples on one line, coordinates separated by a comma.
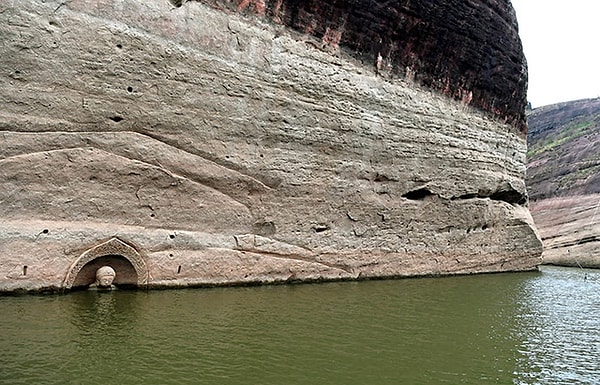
[(468, 50)]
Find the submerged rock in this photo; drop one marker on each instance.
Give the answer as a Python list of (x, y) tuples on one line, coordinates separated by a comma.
[(218, 142)]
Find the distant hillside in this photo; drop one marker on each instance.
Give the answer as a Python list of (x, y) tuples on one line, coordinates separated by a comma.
[(563, 180), (563, 156)]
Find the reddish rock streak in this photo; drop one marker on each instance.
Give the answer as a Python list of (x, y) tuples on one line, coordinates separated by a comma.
[(469, 50)]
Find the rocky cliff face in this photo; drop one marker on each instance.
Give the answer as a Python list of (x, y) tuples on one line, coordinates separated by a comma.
[(467, 50), (223, 142), (564, 180)]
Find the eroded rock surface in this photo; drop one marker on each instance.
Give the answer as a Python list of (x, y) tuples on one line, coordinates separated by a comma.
[(564, 180), (227, 143)]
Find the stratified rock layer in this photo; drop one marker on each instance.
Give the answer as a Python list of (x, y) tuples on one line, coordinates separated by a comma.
[(564, 180), (469, 50), (564, 147), (197, 146), (570, 230)]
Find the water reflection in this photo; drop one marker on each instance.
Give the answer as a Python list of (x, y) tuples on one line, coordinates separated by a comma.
[(103, 311), (560, 326), (531, 328)]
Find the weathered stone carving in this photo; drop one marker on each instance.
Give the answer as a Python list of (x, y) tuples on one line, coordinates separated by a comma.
[(231, 143), (104, 278), (112, 247)]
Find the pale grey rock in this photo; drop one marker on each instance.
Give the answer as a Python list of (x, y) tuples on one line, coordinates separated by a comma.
[(221, 150), (570, 230)]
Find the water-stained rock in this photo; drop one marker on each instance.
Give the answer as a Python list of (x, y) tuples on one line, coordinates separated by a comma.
[(261, 141), (564, 180)]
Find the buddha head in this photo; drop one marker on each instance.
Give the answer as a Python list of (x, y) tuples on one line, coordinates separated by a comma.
[(105, 276)]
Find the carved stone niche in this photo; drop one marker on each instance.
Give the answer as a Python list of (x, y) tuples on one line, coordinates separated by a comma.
[(130, 267)]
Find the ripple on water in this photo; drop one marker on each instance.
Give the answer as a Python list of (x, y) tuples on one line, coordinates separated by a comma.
[(530, 328), (561, 323)]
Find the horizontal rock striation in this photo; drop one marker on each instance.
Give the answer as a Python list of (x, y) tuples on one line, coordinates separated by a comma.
[(570, 230), (218, 143), (563, 179), (564, 143), (469, 50)]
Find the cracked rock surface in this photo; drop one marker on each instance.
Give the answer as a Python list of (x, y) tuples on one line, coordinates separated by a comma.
[(222, 146)]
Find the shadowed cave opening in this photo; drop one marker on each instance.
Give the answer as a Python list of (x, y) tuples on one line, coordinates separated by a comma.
[(509, 196), (506, 194), (177, 3), (126, 277), (417, 195)]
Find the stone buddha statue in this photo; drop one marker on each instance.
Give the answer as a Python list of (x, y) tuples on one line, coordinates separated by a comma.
[(104, 278)]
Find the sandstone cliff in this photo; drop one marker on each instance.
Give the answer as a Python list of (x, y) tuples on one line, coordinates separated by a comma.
[(564, 180), (231, 142)]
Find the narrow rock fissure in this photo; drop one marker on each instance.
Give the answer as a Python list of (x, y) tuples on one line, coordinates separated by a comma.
[(509, 196)]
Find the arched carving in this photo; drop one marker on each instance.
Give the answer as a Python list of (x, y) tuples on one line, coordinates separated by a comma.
[(114, 246)]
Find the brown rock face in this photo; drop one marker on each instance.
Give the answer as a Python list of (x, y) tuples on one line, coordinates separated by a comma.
[(564, 143), (229, 143), (563, 178), (469, 50)]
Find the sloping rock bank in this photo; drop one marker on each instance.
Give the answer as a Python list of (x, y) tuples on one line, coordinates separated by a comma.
[(212, 143), (564, 180), (570, 230)]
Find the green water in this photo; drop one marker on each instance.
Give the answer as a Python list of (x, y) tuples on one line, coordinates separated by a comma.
[(526, 328)]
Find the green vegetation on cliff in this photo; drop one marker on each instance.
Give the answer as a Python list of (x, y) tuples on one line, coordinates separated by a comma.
[(564, 149)]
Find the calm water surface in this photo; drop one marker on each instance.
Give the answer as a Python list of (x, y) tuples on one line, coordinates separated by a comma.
[(526, 328)]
